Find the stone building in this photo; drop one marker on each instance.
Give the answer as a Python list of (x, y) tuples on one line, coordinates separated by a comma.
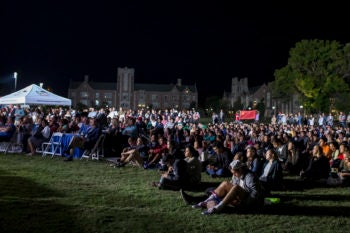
[(126, 93), (250, 96)]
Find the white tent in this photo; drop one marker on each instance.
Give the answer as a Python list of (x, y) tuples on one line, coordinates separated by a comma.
[(36, 95)]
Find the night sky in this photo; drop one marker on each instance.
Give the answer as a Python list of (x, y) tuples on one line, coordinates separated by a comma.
[(55, 41)]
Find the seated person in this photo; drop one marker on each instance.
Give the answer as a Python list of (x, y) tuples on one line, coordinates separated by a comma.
[(176, 176), (85, 141), (223, 157), (318, 166), (344, 169), (7, 130), (112, 136), (194, 166), (63, 126), (254, 163), (155, 154), (131, 128), (272, 172), (25, 128), (133, 153), (243, 191), (42, 134)]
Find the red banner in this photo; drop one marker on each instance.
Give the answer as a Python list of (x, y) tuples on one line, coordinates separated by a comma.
[(247, 115)]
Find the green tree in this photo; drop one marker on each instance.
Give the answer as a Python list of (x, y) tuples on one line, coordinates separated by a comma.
[(237, 105), (80, 106), (212, 103), (316, 69)]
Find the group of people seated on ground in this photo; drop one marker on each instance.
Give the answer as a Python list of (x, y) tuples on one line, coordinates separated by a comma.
[(257, 156)]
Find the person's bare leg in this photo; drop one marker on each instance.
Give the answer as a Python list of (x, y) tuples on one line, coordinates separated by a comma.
[(214, 198), (31, 147), (221, 192), (137, 158), (234, 196)]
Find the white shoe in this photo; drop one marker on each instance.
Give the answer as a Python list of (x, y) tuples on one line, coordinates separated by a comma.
[(210, 211)]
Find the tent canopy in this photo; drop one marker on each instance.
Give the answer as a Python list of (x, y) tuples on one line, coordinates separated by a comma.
[(36, 95)]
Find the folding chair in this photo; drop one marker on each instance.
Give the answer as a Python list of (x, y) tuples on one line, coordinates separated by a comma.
[(54, 146), (11, 146), (15, 143), (97, 151)]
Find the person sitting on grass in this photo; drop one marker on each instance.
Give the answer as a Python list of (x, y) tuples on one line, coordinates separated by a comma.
[(176, 176), (155, 154), (223, 157), (318, 167), (272, 172), (194, 166), (133, 153), (344, 170), (243, 191)]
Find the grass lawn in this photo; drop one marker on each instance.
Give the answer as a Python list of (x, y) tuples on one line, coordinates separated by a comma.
[(48, 195)]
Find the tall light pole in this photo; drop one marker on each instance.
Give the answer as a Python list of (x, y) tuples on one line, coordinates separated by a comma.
[(15, 77)]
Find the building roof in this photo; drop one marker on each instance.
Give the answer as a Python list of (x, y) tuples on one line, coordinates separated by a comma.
[(254, 89), (95, 85), (163, 87), (137, 86), (153, 87)]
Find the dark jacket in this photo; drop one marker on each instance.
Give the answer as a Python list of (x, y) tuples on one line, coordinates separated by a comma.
[(92, 136)]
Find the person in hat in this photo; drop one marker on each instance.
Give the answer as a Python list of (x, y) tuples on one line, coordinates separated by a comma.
[(244, 190)]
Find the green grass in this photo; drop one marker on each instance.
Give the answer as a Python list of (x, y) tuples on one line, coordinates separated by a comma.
[(49, 195)]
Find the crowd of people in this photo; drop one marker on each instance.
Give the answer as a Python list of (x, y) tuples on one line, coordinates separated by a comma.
[(256, 155)]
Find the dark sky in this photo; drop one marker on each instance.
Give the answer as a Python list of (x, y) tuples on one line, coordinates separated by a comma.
[(54, 41)]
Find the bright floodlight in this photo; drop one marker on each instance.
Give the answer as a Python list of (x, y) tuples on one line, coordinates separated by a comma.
[(15, 77)]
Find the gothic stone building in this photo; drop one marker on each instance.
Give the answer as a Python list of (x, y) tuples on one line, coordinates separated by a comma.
[(129, 95), (251, 96)]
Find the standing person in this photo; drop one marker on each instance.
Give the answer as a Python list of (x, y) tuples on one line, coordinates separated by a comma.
[(19, 113), (243, 191), (222, 116), (101, 119)]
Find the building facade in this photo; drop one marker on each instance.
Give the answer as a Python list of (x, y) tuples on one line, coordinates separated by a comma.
[(127, 94), (249, 97)]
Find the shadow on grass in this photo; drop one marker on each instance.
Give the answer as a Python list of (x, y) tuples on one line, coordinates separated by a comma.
[(288, 206), (301, 185), (295, 210), (29, 207)]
